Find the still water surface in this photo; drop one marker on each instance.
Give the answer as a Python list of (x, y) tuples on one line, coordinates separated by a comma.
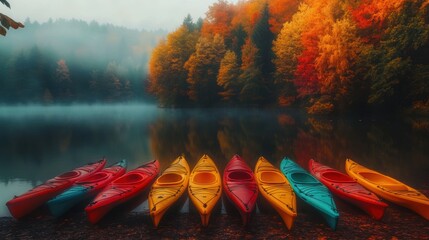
[(38, 143)]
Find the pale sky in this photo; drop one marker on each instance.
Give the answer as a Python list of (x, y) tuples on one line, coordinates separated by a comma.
[(136, 14)]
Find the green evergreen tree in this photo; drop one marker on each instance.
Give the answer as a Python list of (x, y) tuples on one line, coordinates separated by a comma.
[(253, 91), (390, 64), (239, 36), (188, 22), (263, 39)]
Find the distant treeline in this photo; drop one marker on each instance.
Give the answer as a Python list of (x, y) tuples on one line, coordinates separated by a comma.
[(69, 61), (324, 55)]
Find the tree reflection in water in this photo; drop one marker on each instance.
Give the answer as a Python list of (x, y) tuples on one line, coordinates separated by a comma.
[(56, 140)]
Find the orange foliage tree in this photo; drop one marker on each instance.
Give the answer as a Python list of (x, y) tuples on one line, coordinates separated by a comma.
[(218, 20), (203, 67), (371, 16), (281, 11), (306, 77), (166, 73), (327, 54), (287, 48)]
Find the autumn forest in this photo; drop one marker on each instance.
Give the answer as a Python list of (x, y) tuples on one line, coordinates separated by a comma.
[(326, 56), (323, 56)]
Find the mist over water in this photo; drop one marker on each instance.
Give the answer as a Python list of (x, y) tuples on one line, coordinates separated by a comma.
[(39, 142), (79, 112)]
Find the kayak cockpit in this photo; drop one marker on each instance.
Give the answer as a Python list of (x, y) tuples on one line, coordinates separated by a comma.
[(204, 178), (237, 176), (170, 179), (334, 176), (303, 178), (378, 178), (94, 178), (67, 175), (130, 179), (271, 177)]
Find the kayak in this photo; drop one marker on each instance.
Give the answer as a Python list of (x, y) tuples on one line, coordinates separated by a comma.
[(311, 191), (276, 189), (346, 188), (24, 204), (389, 188), (121, 190), (240, 187), (85, 189), (168, 188), (205, 187)]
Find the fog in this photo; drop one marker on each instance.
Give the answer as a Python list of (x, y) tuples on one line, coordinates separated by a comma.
[(78, 113), (74, 52), (135, 14), (72, 61)]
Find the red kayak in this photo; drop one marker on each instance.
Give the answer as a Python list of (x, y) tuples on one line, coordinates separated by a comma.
[(85, 189), (240, 187), (348, 189), (121, 190), (24, 204)]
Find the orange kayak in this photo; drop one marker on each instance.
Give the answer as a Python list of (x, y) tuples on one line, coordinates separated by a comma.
[(277, 190), (168, 188), (389, 188), (346, 188), (24, 204), (205, 187)]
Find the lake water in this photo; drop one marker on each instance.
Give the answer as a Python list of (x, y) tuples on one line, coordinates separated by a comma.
[(38, 143)]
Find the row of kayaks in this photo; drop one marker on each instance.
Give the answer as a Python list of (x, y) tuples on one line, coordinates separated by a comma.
[(109, 187)]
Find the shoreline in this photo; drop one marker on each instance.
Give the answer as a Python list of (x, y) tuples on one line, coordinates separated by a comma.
[(397, 223)]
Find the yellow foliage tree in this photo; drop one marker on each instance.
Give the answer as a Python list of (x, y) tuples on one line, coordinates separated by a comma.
[(166, 73), (228, 76), (338, 54)]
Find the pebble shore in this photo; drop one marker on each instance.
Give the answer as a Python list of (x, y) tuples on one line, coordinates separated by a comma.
[(398, 223)]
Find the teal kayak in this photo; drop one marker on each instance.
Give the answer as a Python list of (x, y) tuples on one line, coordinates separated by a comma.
[(311, 191), (85, 189)]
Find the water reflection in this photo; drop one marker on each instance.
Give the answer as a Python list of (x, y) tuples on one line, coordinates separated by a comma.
[(37, 143)]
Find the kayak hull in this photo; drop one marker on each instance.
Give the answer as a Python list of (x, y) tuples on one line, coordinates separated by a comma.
[(122, 190), (74, 195), (168, 189), (389, 188), (85, 189), (205, 187), (240, 187), (311, 191), (22, 205), (276, 189), (346, 188)]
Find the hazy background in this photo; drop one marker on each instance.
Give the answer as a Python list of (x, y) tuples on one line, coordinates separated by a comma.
[(135, 14), (73, 61), (85, 51)]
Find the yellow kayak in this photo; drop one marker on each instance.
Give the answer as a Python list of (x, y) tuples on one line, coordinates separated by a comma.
[(168, 188), (277, 190), (205, 187), (389, 188)]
